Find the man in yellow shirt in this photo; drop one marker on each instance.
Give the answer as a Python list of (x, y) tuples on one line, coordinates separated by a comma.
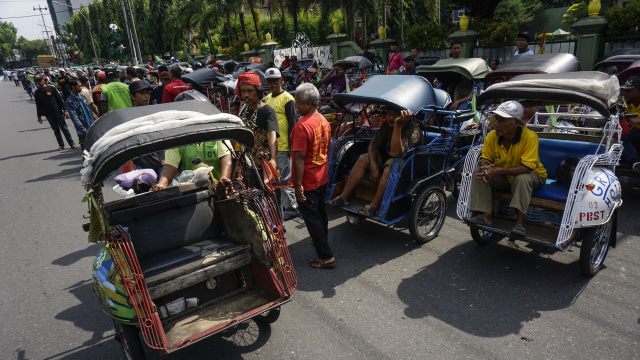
[(631, 141), (284, 105), (509, 161)]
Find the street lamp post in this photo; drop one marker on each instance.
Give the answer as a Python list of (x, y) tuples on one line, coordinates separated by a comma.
[(95, 54)]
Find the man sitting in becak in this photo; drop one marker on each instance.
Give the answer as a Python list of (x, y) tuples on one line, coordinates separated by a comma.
[(397, 134), (509, 161)]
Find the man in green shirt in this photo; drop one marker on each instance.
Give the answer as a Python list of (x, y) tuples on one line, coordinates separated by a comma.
[(213, 153), (115, 95)]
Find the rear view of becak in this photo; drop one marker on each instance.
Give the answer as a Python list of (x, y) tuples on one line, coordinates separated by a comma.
[(191, 259)]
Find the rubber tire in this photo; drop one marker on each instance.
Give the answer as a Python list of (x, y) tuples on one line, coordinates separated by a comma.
[(127, 336), (484, 240), (269, 317), (416, 205), (588, 239)]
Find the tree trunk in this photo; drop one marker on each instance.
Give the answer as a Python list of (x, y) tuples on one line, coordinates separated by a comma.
[(242, 25), (255, 22)]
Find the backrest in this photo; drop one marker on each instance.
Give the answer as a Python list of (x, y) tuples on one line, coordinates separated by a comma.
[(169, 223), (553, 151)]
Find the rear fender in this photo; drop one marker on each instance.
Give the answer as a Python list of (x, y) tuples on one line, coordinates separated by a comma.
[(599, 204)]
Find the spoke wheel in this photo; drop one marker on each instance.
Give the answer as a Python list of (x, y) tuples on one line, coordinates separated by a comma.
[(483, 237), (269, 317), (594, 248), (427, 214), (127, 336)]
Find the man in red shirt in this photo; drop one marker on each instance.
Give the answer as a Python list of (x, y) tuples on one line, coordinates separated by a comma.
[(310, 140), (175, 87)]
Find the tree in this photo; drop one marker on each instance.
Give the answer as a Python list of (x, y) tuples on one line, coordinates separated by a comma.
[(624, 21), (517, 11), (575, 13), (32, 48), (7, 41)]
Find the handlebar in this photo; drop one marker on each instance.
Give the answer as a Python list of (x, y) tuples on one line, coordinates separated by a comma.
[(629, 116)]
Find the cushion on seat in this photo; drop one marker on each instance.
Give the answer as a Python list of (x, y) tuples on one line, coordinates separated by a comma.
[(553, 151), (552, 191), (206, 252)]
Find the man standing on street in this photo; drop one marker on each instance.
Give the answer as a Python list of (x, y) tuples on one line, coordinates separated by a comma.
[(114, 95), (310, 144), (285, 107), (175, 87), (396, 61), (84, 90), (63, 84), (79, 110), (49, 104), (158, 90)]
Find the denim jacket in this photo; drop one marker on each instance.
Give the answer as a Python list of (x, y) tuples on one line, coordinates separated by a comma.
[(82, 119)]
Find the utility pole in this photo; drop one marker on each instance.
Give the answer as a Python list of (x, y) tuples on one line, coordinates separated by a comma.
[(134, 58), (48, 38), (135, 33)]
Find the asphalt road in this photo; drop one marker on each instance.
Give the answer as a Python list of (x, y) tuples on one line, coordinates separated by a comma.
[(388, 297)]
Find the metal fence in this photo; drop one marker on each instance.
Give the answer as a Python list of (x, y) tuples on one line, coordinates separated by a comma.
[(619, 42), (442, 53)]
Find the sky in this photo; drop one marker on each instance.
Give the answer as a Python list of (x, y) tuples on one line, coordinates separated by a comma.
[(28, 25)]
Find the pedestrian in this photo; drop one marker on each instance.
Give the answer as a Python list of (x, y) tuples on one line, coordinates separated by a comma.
[(409, 66), (523, 44), (63, 83), (310, 140), (256, 59), (14, 76), (456, 49), (121, 72), (141, 74), (413, 53), (84, 90), (131, 75), (30, 87), (175, 87), (158, 90), (214, 62), (114, 94), (79, 110), (284, 105), (49, 104), (139, 92), (495, 64), (396, 61), (286, 62), (92, 78), (101, 78)]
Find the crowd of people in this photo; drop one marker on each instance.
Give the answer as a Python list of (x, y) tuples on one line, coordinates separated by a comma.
[(291, 136)]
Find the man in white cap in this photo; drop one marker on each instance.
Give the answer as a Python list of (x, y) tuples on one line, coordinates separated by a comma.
[(509, 161), (285, 107)]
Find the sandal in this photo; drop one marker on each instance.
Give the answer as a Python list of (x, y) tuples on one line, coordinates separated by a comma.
[(321, 264), (61, 148), (477, 220), (74, 146), (519, 230), (368, 211), (337, 201)]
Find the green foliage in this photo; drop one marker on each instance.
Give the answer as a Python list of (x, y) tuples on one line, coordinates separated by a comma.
[(624, 21), (492, 32), (575, 13), (517, 11), (7, 41), (32, 48), (428, 35)]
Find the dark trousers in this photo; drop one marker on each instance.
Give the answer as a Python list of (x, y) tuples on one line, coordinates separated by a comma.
[(629, 141), (315, 218), (57, 124)]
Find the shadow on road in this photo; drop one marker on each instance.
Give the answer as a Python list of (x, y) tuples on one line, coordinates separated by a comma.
[(29, 154), (66, 173), (490, 291), (76, 256), (38, 129), (357, 249)]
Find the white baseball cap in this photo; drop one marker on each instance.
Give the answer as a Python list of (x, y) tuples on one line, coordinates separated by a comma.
[(272, 73), (508, 109)]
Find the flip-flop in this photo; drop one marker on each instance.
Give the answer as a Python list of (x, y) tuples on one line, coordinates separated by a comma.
[(337, 201), (368, 211), (321, 264), (519, 230)]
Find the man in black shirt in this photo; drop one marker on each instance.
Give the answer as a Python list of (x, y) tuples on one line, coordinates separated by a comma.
[(49, 104), (63, 83), (158, 91)]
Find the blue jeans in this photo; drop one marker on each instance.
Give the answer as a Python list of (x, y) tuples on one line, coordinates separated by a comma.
[(630, 141), (287, 195)]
